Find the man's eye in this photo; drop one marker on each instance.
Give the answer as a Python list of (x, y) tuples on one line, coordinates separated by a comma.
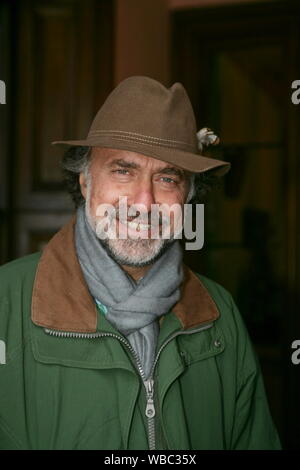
[(121, 171), (166, 179)]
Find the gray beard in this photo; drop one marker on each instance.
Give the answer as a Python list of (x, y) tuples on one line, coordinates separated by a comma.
[(120, 252)]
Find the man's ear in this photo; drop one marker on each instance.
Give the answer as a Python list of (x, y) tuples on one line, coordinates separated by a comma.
[(83, 184)]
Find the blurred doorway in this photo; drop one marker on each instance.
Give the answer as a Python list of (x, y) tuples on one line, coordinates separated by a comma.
[(57, 59)]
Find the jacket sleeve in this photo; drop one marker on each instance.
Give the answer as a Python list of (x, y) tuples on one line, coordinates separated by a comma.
[(253, 427)]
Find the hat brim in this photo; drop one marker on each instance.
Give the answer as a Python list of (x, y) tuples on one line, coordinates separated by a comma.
[(187, 160)]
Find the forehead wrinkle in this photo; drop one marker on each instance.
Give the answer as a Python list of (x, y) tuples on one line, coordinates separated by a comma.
[(124, 163), (130, 164)]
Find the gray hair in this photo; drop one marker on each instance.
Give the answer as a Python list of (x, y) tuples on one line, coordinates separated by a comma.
[(77, 160)]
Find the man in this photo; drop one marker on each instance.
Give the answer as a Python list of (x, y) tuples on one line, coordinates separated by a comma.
[(111, 342)]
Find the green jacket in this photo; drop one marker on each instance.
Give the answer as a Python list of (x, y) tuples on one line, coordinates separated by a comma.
[(70, 380)]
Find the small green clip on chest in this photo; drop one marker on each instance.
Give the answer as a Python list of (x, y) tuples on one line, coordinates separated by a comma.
[(101, 307)]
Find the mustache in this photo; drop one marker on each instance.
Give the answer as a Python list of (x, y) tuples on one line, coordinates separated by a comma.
[(146, 218)]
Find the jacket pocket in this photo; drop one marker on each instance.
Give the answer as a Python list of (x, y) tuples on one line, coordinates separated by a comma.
[(201, 345)]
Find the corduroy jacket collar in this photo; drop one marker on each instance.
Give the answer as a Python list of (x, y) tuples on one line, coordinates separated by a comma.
[(61, 299)]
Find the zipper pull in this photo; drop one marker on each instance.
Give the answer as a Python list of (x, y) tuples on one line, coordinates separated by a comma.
[(150, 409)]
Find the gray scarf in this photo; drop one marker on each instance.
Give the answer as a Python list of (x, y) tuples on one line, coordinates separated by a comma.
[(133, 308)]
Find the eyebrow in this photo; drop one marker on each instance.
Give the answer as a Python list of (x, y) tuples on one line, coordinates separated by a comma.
[(124, 164), (169, 170)]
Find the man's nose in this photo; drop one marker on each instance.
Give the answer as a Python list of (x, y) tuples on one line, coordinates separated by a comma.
[(144, 194)]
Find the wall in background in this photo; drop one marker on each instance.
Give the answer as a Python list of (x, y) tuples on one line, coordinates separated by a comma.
[(142, 39), (142, 35)]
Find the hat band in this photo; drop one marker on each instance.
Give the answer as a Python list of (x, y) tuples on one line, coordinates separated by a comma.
[(143, 139)]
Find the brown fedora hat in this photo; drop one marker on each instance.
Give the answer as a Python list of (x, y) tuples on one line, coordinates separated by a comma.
[(142, 116)]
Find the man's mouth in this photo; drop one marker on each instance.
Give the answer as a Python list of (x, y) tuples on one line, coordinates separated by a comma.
[(137, 226)]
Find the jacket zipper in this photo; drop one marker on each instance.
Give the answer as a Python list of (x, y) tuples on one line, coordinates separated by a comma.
[(148, 383)]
